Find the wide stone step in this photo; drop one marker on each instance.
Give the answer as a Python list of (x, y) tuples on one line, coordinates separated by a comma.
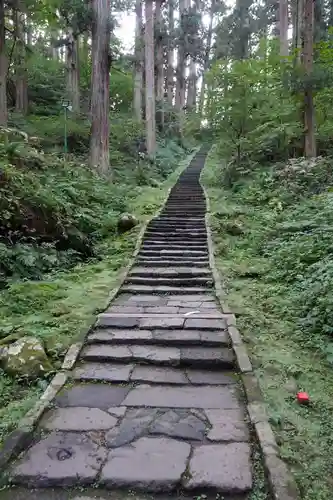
[(169, 263), (161, 337), (171, 272), (168, 290), (160, 321), (179, 245), (173, 252), (202, 357), (175, 236), (130, 373), (143, 280)]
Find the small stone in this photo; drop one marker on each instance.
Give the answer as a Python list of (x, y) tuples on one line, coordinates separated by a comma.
[(92, 396), (227, 425), (103, 371), (159, 375), (60, 459), (149, 464), (183, 397), (225, 468), (133, 426), (78, 419)]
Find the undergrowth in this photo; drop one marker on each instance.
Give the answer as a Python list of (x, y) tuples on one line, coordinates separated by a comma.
[(273, 243)]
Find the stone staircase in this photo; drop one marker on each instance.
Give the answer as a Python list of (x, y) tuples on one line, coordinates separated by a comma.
[(154, 402)]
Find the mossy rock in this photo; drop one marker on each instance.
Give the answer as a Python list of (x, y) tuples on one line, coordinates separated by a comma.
[(233, 228), (126, 222), (25, 358)]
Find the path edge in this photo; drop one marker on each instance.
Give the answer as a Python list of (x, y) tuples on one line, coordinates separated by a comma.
[(21, 437), (281, 481)]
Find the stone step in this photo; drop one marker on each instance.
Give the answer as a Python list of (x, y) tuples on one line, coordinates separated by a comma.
[(160, 337), (169, 263), (175, 272), (121, 373), (170, 252), (155, 281), (160, 321), (177, 228), (177, 245), (176, 236), (200, 357), (168, 290)]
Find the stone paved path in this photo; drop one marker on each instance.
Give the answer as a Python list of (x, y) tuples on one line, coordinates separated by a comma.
[(154, 402)]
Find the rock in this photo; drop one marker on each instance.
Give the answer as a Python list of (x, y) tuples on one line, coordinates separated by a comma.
[(126, 222), (25, 358)]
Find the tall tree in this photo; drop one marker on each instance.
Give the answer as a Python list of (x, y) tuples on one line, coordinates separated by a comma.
[(170, 51), (309, 112), (21, 77), (100, 85), (206, 55), (73, 69), (139, 56), (150, 79), (181, 59), (3, 67), (283, 22), (159, 65)]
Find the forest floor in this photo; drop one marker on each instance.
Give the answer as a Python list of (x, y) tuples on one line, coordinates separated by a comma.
[(283, 363)]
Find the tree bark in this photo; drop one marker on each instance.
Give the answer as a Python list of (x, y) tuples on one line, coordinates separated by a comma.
[(309, 111), (73, 71), (139, 55), (298, 28), (170, 71), (206, 58), (150, 80), (283, 17), (21, 77), (100, 86), (159, 63), (3, 67)]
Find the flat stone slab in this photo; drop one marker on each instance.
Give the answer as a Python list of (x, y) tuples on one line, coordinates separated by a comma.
[(60, 459), (98, 352), (227, 425), (103, 371), (149, 464), (78, 419), (116, 335), (224, 397), (145, 353), (92, 396), (158, 375), (152, 323), (108, 321), (225, 468), (156, 354), (207, 356), (179, 424), (205, 324), (205, 377)]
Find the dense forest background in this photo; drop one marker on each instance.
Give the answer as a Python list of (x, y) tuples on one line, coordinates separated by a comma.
[(90, 131)]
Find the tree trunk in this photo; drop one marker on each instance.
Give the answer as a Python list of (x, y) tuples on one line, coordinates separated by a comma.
[(3, 67), (309, 111), (283, 15), (191, 90), (159, 63), (181, 66), (170, 71), (139, 54), (150, 80), (206, 58), (21, 77), (298, 28), (73, 71), (100, 86)]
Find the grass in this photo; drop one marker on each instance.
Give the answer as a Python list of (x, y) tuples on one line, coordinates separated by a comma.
[(64, 304), (282, 362)]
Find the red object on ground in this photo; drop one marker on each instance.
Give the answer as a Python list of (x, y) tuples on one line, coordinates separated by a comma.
[(303, 398)]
